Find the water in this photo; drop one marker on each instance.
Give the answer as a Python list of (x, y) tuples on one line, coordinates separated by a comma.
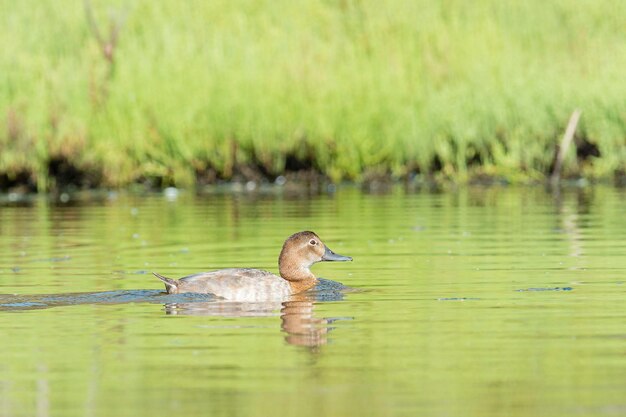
[(477, 302)]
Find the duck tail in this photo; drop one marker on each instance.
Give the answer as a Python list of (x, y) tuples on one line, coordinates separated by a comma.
[(171, 285)]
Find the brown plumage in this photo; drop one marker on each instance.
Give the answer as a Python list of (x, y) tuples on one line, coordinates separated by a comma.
[(300, 251)]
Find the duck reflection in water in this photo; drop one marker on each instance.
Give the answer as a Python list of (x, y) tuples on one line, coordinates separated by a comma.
[(297, 316)]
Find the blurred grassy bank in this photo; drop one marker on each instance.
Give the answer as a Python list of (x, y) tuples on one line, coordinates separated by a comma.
[(348, 88)]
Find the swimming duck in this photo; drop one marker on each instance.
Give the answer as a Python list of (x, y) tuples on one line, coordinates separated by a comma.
[(300, 251)]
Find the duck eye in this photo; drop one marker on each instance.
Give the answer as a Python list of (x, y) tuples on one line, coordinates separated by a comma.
[(313, 242)]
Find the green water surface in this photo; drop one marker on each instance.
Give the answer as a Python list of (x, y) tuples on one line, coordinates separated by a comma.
[(474, 302)]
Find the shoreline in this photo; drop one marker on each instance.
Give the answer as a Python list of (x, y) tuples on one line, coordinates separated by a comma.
[(297, 184)]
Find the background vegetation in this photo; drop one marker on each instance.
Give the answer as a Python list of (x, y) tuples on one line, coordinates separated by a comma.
[(181, 91)]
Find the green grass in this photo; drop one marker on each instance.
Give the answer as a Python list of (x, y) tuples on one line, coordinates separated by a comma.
[(448, 87)]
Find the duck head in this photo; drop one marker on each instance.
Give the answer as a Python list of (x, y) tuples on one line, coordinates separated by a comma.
[(300, 252)]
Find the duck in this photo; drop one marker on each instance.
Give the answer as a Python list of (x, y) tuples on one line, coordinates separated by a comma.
[(299, 252)]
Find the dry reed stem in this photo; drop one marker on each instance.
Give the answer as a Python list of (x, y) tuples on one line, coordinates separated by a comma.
[(565, 143)]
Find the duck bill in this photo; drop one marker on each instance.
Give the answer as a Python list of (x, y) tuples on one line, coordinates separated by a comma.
[(329, 255)]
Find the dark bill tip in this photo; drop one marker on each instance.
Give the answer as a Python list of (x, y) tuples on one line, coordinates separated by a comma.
[(329, 255)]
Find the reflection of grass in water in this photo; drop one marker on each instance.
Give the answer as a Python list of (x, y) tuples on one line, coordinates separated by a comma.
[(342, 86)]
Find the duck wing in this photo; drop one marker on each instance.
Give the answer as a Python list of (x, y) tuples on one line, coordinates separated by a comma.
[(233, 284)]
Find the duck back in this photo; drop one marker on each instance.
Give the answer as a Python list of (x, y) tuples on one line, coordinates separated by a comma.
[(232, 284)]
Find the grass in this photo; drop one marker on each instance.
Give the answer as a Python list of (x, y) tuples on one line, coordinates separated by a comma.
[(446, 88)]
